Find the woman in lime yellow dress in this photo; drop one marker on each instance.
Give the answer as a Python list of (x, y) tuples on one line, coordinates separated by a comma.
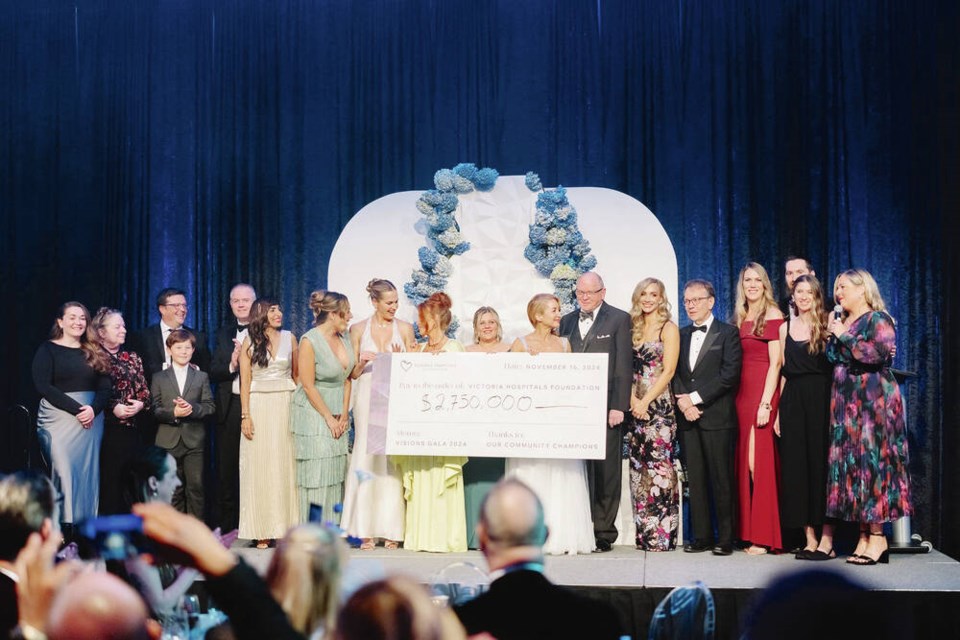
[(433, 485)]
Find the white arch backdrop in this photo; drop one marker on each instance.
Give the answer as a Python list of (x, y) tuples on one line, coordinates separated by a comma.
[(382, 240)]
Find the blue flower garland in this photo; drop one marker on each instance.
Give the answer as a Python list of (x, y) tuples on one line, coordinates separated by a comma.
[(444, 239), (557, 248)]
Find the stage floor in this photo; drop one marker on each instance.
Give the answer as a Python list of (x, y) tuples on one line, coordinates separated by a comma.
[(625, 567)]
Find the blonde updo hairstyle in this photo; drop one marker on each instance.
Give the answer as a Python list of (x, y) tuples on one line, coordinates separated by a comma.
[(436, 306), (538, 304), (476, 323), (378, 287), (638, 319), (323, 303)]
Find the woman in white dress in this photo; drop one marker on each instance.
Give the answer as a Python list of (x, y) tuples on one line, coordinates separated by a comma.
[(268, 373), (373, 505), (560, 484)]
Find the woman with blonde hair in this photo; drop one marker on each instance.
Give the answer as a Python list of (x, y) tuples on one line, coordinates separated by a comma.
[(561, 485), (653, 428), (804, 412), (433, 485), (487, 332), (480, 474), (867, 478), (304, 577), (757, 462), (319, 413), (373, 495)]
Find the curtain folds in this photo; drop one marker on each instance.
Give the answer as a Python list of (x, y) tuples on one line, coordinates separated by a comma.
[(204, 142)]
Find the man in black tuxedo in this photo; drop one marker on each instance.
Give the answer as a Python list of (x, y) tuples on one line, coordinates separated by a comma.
[(521, 602), (705, 386), (600, 328), (225, 372), (150, 343)]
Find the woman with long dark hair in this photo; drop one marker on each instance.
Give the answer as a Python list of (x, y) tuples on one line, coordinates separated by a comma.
[(71, 373), (804, 415), (268, 375)]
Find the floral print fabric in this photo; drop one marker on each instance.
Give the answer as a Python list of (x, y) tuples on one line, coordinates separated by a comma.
[(867, 479), (653, 448)]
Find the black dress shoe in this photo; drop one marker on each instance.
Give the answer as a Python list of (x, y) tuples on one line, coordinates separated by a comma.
[(603, 546), (723, 549), (697, 546)]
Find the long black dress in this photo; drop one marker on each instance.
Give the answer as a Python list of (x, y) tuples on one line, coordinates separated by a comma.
[(804, 424)]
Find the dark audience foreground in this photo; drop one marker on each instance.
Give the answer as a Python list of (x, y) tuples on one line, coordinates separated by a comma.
[(522, 603)]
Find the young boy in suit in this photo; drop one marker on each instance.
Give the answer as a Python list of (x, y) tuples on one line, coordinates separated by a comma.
[(181, 402)]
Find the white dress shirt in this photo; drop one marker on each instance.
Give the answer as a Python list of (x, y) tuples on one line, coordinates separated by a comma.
[(585, 323), (181, 374), (696, 343)]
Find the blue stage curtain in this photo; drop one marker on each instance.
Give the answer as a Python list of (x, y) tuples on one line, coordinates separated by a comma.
[(198, 143)]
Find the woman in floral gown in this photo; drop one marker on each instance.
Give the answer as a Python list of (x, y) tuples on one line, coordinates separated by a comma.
[(653, 429), (867, 479)]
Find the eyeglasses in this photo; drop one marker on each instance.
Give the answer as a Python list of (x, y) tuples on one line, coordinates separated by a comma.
[(689, 301), (176, 305), (583, 294)]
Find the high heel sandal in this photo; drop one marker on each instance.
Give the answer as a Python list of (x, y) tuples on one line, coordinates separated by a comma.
[(368, 544), (391, 545), (866, 561)]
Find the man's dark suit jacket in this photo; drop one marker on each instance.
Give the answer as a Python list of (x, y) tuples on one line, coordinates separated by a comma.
[(715, 376), (149, 346), (524, 605), (610, 334), (196, 391), (220, 369)]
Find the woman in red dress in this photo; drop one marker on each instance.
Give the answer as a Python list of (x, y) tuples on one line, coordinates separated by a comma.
[(757, 459)]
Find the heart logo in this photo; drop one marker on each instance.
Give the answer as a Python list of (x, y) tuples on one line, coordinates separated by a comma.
[(405, 365)]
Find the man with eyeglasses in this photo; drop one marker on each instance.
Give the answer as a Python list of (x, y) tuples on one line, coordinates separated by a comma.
[(705, 386), (600, 328), (150, 343)]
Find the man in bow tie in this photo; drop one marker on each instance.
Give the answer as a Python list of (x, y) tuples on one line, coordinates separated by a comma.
[(225, 371), (600, 328), (705, 386)]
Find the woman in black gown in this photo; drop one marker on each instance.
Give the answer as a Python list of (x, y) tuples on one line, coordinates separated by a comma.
[(121, 431), (803, 420)]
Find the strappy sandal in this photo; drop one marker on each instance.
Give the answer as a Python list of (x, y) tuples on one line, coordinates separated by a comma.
[(392, 545), (368, 544), (864, 560), (263, 544)]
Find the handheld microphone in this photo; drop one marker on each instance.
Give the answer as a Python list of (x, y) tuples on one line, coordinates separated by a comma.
[(837, 311)]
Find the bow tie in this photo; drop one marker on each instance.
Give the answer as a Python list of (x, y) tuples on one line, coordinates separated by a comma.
[(241, 327), (586, 315), (702, 327)]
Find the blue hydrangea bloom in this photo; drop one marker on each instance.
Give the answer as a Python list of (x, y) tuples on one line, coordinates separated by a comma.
[(532, 181), (588, 263), (466, 170), (538, 234), (440, 222), (424, 207), (443, 180), (560, 252), (533, 253), (428, 257), (462, 185), (486, 179)]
